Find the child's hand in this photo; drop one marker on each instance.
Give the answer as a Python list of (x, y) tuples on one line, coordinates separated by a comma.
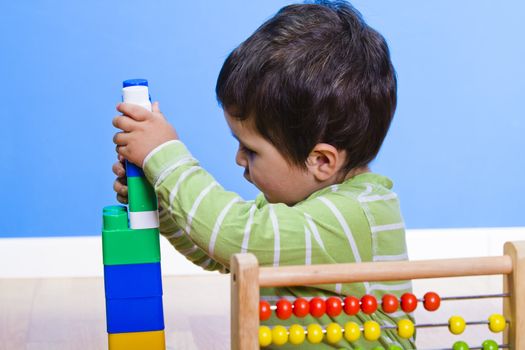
[(121, 182), (142, 132)]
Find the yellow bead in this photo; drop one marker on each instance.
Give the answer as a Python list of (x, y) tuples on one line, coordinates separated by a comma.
[(352, 331), (265, 336), (497, 323), (334, 333), (405, 328), (315, 333), (279, 335), (456, 325), (297, 335), (372, 330)]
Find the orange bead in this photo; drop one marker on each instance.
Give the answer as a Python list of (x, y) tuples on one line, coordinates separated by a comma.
[(301, 307), (431, 301), (317, 307), (264, 310), (368, 304), (408, 302), (333, 306)]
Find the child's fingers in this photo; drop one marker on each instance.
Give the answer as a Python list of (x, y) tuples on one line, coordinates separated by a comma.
[(155, 107), (124, 123), (135, 112), (121, 199), (120, 188), (121, 139), (118, 169)]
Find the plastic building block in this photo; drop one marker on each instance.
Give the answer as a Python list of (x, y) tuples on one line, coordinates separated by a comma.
[(141, 195), (134, 315), (132, 281), (154, 340), (122, 245)]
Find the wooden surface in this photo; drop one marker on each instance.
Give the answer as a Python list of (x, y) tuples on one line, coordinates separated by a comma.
[(60, 314)]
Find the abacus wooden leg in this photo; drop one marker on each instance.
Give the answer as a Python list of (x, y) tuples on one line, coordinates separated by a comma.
[(244, 302), (514, 306)]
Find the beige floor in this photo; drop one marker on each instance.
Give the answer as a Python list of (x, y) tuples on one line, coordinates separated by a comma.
[(57, 314), (60, 314)]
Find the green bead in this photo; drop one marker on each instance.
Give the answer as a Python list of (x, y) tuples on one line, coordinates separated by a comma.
[(395, 347), (490, 345), (460, 345)]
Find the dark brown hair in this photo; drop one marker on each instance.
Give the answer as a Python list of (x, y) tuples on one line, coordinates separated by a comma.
[(313, 73)]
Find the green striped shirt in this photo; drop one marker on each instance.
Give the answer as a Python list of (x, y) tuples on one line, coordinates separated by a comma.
[(358, 220)]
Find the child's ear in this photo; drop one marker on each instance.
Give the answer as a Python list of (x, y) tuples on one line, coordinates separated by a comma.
[(324, 161)]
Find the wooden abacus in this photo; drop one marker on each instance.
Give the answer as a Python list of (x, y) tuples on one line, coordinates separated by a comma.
[(247, 278)]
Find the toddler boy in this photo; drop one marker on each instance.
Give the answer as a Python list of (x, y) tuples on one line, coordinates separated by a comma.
[(309, 97)]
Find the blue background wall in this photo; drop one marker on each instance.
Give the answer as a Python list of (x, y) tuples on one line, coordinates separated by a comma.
[(455, 150)]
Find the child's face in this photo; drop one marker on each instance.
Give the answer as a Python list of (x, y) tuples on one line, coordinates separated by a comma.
[(266, 168)]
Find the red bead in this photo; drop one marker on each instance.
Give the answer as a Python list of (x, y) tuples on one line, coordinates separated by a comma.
[(333, 306), (431, 301), (317, 307), (368, 304), (389, 303), (301, 307), (351, 306), (408, 302), (284, 309), (264, 310)]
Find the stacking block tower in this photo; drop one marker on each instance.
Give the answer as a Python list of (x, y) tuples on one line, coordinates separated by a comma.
[(131, 252)]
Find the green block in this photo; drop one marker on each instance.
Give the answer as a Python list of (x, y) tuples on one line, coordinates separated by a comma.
[(141, 195), (122, 245)]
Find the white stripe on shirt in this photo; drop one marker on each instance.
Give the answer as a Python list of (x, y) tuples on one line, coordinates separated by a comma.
[(398, 257), (276, 237), (345, 227), (247, 229), (377, 197), (180, 180), (389, 227), (166, 172), (391, 287), (218, 222), (308, 246), (157, 149), (196, 204), (315, 232)]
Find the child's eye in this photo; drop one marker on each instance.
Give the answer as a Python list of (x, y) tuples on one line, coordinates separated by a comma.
[(246, 150)]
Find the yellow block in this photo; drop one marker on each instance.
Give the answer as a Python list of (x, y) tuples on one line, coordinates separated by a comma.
[(153, 340)]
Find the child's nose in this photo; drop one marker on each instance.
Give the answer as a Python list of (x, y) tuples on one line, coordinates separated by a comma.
[(240, 158)]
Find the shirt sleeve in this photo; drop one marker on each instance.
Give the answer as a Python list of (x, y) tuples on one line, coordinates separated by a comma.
[(220, 222)]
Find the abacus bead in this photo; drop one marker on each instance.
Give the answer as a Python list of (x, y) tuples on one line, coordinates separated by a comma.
[(301, 307), (352, 331), (264, 310), (279, 335), (333, 306), (456, 325), (497, 323), (460, 345), (265, 336), (431, 301), (314, 333), (351, 306), (317, 307), (408, 302), (389, 303), (334, 333), (368, 304), (297, 335), (395, 347), (372, 330), (284, 309), (490, 345), (405, 328)]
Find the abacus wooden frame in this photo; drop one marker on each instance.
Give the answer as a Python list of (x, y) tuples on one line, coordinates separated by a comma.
[(247, 277)]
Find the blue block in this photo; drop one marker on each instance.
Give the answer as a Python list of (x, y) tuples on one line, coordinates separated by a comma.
[(132, 280), (134, 315), (133, 170)]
